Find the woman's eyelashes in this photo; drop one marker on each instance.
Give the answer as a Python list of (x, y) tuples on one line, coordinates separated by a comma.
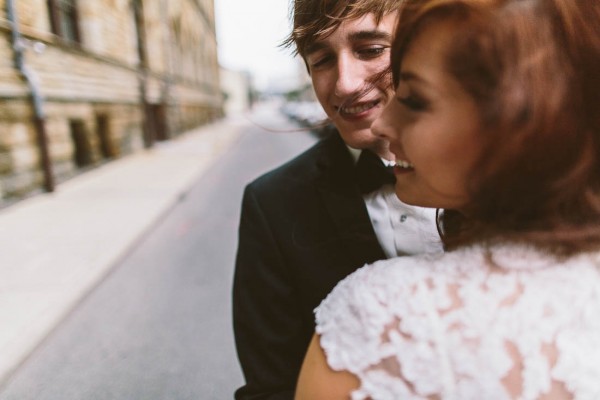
[(412, 101)]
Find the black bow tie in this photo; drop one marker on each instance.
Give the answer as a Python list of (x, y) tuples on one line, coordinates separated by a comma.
[(371, 173)]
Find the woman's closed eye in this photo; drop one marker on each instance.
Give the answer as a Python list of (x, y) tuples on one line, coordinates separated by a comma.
[(412, 102), (410, 97)]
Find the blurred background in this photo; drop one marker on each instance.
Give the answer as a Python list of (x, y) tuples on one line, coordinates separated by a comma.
[(128, 130)]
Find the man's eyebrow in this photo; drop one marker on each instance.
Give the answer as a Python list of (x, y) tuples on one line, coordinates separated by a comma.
[(354, 36), (314, 47), (370, 35)]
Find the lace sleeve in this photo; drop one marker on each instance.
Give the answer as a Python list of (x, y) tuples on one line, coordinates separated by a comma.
[(358, 331), (467, 325), (350, 342)]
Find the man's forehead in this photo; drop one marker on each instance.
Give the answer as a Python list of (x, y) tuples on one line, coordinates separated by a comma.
[(356, 30)]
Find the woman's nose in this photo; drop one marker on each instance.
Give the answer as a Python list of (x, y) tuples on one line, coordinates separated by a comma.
[(381, 126)]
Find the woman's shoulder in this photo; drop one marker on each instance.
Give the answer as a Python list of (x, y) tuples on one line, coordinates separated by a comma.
[(397, 274), (353, 316), (365, 303), (430, 313)]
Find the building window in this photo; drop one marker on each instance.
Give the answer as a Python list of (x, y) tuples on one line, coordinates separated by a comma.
[(82, 150), (105, 143), (64, 20)]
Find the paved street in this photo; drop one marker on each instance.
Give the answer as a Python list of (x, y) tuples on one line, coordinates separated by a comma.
[(158, 326)]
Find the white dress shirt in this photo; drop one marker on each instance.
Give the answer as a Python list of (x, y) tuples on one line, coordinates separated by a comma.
[(401, 229)]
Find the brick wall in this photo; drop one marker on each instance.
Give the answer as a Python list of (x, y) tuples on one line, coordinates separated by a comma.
[(92, 92)]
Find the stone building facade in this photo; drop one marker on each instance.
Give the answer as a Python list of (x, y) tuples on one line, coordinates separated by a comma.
[(86, 81)]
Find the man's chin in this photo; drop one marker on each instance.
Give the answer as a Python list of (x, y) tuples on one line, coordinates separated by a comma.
[(359, 138)]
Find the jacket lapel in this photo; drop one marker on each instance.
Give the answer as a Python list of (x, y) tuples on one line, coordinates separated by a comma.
[(345, 205)]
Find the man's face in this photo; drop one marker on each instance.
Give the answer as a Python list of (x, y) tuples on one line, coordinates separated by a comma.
[(341, 66)]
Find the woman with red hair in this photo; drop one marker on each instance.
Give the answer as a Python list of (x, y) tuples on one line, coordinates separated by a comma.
[(496, 122)]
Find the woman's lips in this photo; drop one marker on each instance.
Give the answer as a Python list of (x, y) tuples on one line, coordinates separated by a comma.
[(403, 166)]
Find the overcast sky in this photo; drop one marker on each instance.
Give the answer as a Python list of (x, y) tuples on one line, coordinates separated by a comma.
[(248, 35)]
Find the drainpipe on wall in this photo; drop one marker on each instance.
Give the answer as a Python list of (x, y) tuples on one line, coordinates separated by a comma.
[(166, 82), (36, 98), (148, 128)]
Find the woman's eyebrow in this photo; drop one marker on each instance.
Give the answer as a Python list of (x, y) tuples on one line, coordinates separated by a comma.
[(408, 76)]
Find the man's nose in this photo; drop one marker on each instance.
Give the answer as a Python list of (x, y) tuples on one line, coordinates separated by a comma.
[(349, 79)]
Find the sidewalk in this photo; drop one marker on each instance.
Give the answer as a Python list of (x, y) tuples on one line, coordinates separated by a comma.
[(56, 247)]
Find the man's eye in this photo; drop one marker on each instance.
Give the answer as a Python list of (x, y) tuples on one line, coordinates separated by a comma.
[(413, 103), (372, 52), (317, 62)]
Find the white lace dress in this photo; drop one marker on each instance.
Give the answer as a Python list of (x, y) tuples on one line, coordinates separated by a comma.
[(503, 323)]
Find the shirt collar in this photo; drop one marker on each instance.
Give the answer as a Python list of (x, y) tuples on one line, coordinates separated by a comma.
[(355, 153)]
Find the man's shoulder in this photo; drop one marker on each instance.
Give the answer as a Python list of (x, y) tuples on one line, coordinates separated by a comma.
[(303, 168)]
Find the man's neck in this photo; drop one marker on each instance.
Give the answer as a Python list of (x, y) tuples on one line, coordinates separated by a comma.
[(355, 153)]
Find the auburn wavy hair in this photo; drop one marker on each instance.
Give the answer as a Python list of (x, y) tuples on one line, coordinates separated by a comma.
[(533, 68)]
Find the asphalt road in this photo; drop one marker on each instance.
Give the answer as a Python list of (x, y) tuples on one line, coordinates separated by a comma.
[(159, 326)]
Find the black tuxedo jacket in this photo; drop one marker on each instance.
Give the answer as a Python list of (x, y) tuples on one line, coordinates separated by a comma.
[(304, 226)]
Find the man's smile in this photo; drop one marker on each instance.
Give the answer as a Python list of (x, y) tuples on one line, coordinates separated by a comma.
[(358, 108)]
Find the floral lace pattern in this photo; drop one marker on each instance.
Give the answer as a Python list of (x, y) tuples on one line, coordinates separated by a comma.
[(505, 322)]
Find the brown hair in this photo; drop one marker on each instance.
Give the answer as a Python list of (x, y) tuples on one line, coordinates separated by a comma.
[(317, 19), (532, 67)]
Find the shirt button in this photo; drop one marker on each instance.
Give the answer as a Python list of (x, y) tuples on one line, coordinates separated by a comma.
[(403, 217)]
